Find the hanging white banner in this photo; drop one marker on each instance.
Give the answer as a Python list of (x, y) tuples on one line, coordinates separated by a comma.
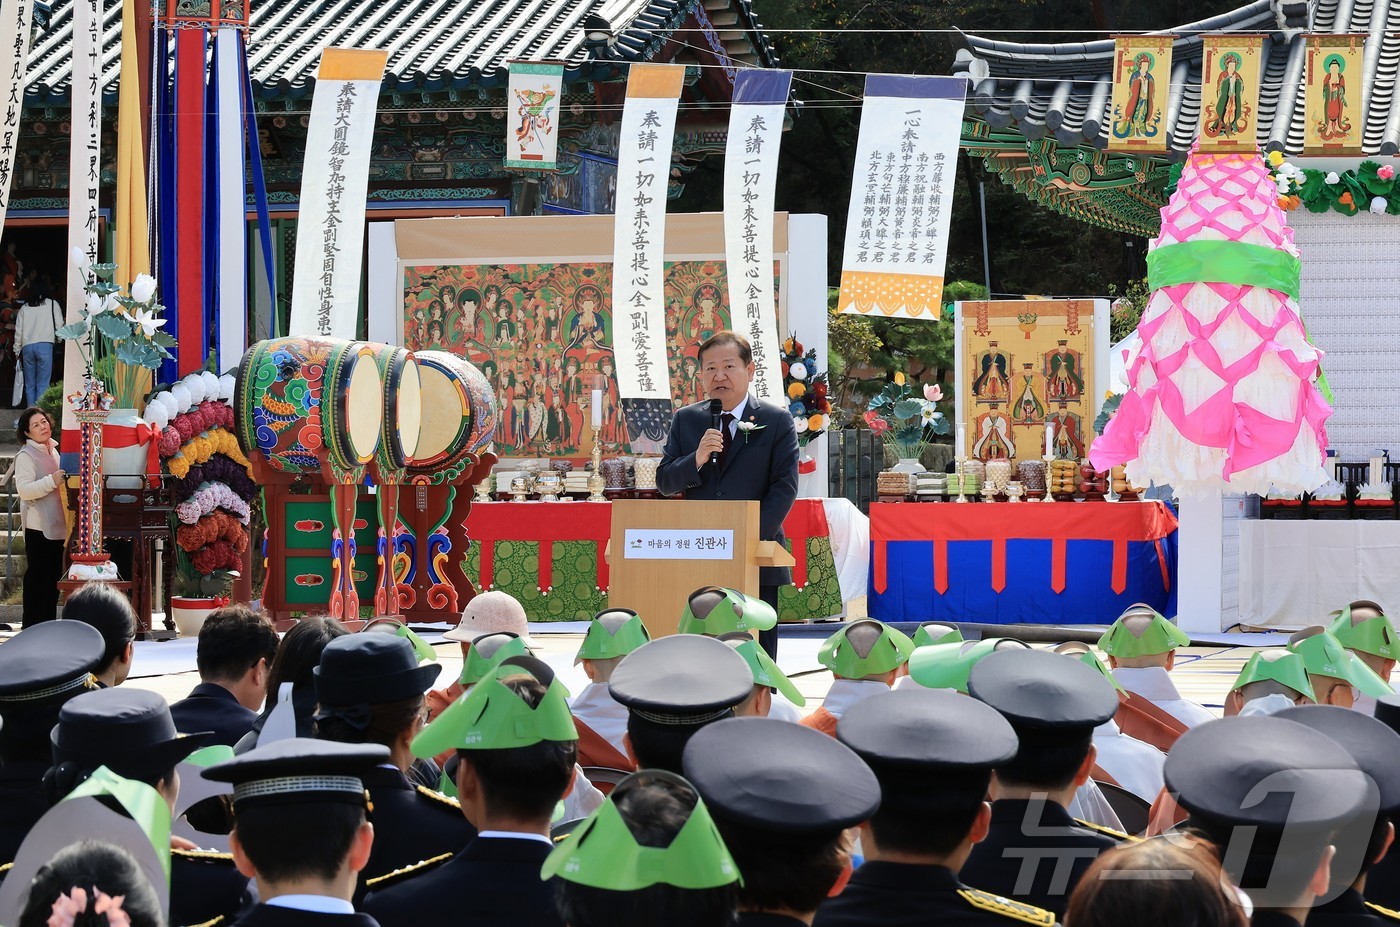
[(639, 231), (84, 182), (532, 135), (750, 179), (14, 55), (902, 196), (233, 210), (334, 182)]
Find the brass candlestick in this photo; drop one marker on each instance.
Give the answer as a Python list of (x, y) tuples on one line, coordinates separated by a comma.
[(962, 477), (596, 483)]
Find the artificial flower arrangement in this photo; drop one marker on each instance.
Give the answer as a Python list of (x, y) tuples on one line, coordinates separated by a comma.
[(904, 420), (1372, 186), (128, 324), (806, 390)]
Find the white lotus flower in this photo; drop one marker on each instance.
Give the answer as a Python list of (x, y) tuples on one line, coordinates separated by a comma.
[(1282, 185), (1378, 204), (80, 261), (798, 371), (143, 288), (148, 321), (929, 413), (800, 423), (95, 305), (1331, 178)]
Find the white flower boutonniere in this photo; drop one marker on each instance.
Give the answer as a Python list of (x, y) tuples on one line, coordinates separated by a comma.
[(748, 428)]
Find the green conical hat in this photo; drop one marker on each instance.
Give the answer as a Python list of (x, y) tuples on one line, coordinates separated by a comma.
[(1324, 655), (493, 717), (1158, 635), (889, 651), (765, 671), (1287, 669), (421, 648), (486, 654), (928, 634), (602, 852), (1086, 656), (613, 633), (1373, 634), (713, 610), (947, 666)]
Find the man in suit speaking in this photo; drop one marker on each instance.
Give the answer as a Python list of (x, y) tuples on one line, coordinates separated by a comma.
[(732, 446)]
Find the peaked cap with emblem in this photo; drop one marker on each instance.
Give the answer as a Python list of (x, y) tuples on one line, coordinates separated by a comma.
[(42, 667), (1372, 744), (865, 648), (1363, 626), (713, 610), (1045, 697), (1142, 631), (614, 632), (128, 730), (299, 770), (371, 669), (681, 679), (925, 729)]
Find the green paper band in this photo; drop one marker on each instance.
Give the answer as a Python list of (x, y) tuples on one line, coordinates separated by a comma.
[(1324, 655), (601, 644), (143, 804), (420, 647), (1288, 670), (602, 853), (766, 672), (493, 717), (891, 650), (1160, 636), (477, 667), (1374, 635), (211, 755), (1224, 262)]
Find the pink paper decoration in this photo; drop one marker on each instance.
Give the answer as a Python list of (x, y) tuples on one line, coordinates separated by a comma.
[(1223, 394)]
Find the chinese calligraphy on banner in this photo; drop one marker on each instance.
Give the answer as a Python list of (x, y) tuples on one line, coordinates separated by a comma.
[(639, 236), (1142, 71), (326, 281), (532, 134), (1334, 91), (1229, 93), (14, 55), (84, 180), (902, 196), (750, 178)]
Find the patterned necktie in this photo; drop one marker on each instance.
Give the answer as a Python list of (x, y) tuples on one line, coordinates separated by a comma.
[(725, 422)]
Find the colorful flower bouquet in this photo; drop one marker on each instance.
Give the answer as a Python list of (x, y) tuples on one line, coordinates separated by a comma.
[(806, 391), (905, 421)]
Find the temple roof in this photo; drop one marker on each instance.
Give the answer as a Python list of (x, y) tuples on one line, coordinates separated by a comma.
[(437, 45)]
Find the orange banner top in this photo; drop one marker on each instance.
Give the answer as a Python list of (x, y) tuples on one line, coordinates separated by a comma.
[(662, 81), (352, 64)]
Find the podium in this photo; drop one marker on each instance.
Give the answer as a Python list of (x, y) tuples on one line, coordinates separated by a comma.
[(660, 551)]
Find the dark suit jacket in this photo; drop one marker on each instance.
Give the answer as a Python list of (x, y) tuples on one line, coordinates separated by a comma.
[(211, 707), (494, 882), (1383, 881), (22, 803), (761, 465), (898, 894), (1349, 909), (270, 915), (1025, 857), (411, 824), (204, 886)]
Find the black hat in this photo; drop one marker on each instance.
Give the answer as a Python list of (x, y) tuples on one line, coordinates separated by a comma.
[(299, 770), (1043, 695), (1374, 746), (682, 679), (1264, 771), (371, 669), (129, 731), (1388, 711), (779, 776), (47, 662), (919, 728)]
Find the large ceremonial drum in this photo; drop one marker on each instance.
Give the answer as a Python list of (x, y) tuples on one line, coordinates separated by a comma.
[(402, 409), (459, 414), (307, 401)]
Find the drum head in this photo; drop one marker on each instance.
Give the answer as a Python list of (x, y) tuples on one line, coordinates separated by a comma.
[(364, 407), (444, 412), (408, 407)]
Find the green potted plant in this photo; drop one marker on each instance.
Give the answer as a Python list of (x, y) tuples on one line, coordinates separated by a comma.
[(194, 595)]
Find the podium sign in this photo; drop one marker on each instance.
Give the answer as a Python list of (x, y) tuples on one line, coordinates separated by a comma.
[(663, 550)]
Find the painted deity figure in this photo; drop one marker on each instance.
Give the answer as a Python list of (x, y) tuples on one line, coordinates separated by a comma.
[(1228, 117), (1067, 436), (470, 301), (586, 326), (994, 440), (1027, 409), (1137, 117), (993, 383), (704, 319), (1335, 123), (533, 124), (1063, 380)]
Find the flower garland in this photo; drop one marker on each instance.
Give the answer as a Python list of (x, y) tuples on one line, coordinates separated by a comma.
[(209, 497), (202, 448), (1372, 186), (216, 526), (217, 469), (186, 427), (806, 388)]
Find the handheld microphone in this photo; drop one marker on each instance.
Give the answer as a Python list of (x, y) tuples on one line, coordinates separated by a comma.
[(716, 410)]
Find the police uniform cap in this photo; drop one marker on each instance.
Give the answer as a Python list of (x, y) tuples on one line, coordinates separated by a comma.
[(781, 776), (1371, 743), (1042, 694), (927, 729), (371, 669), (1264, 771), (50, 660), (1388, 711), (129, 731), (681, 679), (298, 770)]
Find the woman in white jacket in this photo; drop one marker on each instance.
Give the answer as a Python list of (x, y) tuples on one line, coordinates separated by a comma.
[(35, 325), (37, 478)]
